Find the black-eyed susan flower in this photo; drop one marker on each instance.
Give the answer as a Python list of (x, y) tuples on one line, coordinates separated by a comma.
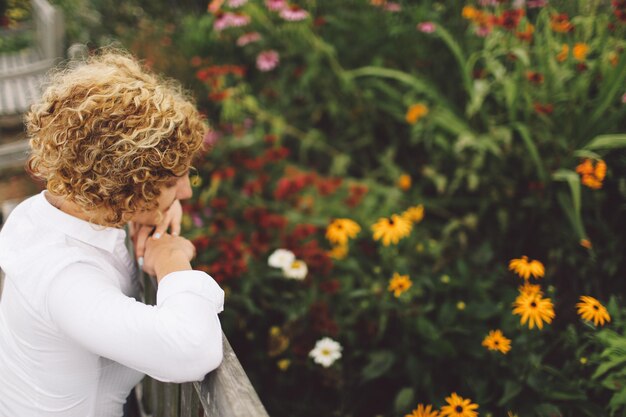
[(525, 267), (404, 182), (399, 284), (340, 230), (534, 309), (416, 112), (423, 411), (458, 407), (391, 229), (338, 252), (414, 214), (590, 309), (528, 288), (495, 340)]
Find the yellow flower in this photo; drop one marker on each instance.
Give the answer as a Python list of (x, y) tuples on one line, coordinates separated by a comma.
[(580, 51), (495, 340), (399, 284), (461, 305), (340, 230), (534, 309), (528, 288), (416, 112), (470, 12), (423, 411), (391, 229), (592, 175), (590, 309), (414, 214), (511, 414), (525, 268), (283, 364), (338, 252), (562, 56), (585, 243), (277, 342), (613, 58), (458, 407), (404, 182)]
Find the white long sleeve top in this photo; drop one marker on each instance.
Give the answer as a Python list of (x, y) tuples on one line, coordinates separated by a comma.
[(73, 339)]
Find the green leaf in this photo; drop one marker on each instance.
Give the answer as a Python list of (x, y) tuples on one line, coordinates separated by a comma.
[(404, 400), (606, 142), (511, 390), (573, 180), (379, 363), (532, 149)]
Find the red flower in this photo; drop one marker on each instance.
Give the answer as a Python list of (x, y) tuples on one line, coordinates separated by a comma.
[(534, 77), (356, 192), (219, 203), (543, 108), (330, 287), (276, 154), (321, 321), (315, 257), (510, 19), (328, 186)]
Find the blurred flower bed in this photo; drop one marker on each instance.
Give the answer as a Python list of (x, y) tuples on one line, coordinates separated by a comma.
[(15, 17), (415, 209)]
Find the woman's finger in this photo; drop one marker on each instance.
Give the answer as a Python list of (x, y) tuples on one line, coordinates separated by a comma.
[(140, 244), (177, 217)]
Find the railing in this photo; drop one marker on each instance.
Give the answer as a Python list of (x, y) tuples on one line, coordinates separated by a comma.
[(225, 392)]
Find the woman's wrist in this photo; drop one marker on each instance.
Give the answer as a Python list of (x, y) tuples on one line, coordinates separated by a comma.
[(176, 261)]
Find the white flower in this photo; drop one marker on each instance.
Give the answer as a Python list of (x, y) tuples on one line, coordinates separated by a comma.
[(326, 352), (296, 270), (281, 258)]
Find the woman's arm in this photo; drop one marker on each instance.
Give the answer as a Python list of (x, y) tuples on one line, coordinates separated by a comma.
[(178, 340)]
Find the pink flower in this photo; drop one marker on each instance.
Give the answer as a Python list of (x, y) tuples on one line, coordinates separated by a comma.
[(211, 137), (294, 13), (236, 3), (247, 38), (531, 4), (426, 27), (392, 6), (624, 98), (228, 20), (483, 31), (267, 60), (275, 5)]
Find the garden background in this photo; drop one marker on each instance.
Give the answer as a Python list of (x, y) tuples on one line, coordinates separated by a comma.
[(403, 154)]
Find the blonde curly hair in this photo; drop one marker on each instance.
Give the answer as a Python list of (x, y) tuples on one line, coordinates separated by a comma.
[(108, 134)]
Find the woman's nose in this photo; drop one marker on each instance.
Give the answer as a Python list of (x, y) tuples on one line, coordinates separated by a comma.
[(184, 190)]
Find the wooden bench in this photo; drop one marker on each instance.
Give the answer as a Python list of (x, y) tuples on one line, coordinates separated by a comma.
[(22, 73)]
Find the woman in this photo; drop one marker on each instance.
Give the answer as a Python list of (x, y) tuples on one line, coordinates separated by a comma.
[(114, 145)]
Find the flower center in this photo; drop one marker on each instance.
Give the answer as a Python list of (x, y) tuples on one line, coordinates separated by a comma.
[(458, 409), (325, 352), (533, 304), (496, 342), (595, 307)]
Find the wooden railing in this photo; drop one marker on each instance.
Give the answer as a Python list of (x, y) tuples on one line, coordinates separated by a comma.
[(225, 392)]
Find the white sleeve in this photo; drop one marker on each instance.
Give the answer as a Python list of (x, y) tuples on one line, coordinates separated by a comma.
[(178, 340)]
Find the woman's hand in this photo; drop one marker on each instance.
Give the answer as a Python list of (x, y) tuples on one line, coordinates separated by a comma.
[(140, 233), (167, 254)]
